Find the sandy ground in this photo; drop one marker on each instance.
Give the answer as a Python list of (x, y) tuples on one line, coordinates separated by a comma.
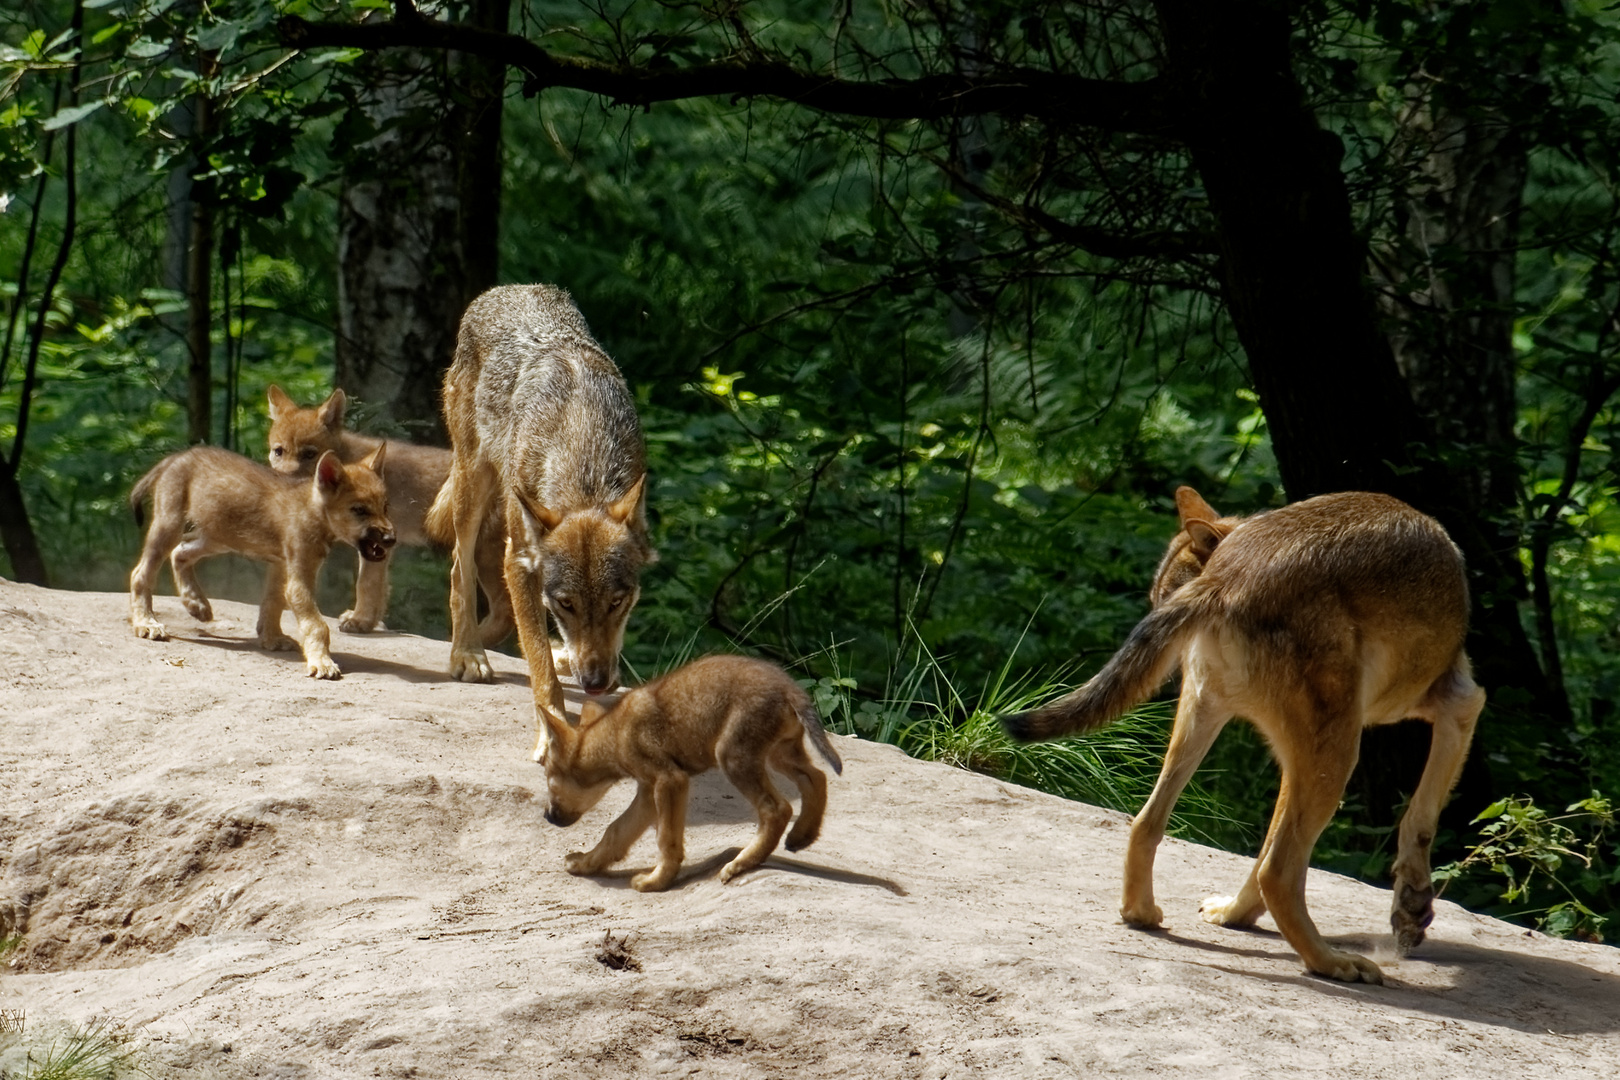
[(258, 874)]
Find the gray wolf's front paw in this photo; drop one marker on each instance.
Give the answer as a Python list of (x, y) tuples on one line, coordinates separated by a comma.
[(470, 666), (152, 631), (322, 667), (350, 623), (199, 608)]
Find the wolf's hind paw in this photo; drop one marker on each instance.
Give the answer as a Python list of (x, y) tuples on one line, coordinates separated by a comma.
[(350, 623), (199, 608), (1223, 911), (152, 631), (323, 668), (471, 667)]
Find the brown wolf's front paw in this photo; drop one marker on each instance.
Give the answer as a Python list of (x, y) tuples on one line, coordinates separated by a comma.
[(277, 643), (199, 608), (322, 668), (1142, 916), (579, 863), (1411, 916), (350, 623), (1348, 967), (470, 666), (1223, 911), (152, 631), (654, 880), (731, 870)]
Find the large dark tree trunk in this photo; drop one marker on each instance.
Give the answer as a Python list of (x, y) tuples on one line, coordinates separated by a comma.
[(417, 224), (1340, 412)]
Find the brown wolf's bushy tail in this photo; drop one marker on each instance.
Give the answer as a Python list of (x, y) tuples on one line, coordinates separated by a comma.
[(813, 727), (137, 494), (1138, 669)]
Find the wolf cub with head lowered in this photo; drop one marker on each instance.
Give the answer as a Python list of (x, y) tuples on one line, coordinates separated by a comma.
[(207, 501), (745, 715), (1313, 622), (544, 431), (414, 474)]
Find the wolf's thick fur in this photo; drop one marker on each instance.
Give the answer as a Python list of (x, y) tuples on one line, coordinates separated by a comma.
[(1312, 622), (414, 474), (207, 501), (544, 428), (745, 715)]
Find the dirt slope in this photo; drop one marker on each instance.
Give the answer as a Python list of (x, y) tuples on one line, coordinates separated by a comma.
[(259, 874)]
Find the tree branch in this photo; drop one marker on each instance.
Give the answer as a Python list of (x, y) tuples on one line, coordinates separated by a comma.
[(1135, 107)]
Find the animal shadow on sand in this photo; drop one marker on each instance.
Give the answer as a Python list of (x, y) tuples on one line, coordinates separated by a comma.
[(1533, 994), (713, 801)]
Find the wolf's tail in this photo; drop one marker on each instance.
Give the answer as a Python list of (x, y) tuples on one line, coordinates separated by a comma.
[(137, 494), (440, 523), (817, 731), (1138, 669)]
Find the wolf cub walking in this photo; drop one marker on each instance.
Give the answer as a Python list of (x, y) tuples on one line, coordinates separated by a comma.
[(207, 501), (745, 715), (544, 431), (414, 474), (1313, 622)]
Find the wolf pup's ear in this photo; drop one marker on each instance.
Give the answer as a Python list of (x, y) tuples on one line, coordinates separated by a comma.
[(329, 474), (1190, 506), (279, 401), (375, 461), (1202, 537), (590, 713), (331, 411)]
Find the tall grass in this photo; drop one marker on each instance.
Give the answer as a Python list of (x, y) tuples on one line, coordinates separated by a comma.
[(93, 1051)]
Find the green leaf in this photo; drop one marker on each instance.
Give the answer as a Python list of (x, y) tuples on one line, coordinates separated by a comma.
[(145, 49), (72, 115)]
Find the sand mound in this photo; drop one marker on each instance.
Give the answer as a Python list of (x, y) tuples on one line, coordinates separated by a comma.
[(258, 874)]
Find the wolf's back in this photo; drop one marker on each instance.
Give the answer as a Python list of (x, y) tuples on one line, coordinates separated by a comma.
[(1139, 668)]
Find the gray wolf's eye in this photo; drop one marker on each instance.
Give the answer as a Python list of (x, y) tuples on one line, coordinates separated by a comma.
[(563, 602), (616, 603), (360, 512)]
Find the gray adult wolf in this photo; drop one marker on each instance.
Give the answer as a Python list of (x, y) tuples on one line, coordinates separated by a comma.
[(542, 426), (1313, 622)]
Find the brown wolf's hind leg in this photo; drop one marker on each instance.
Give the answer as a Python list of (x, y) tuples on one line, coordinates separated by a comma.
[(790, 759), (160, 538), (1313, 779), (1452, 706), (749, 775), (183, 561), (1198, 721)]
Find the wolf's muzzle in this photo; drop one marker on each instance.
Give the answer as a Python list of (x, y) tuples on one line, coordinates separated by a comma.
[(560, 818), (374, 545)]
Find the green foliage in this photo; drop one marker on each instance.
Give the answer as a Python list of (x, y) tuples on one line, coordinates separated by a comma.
[(1526, 857), (94, 1051)]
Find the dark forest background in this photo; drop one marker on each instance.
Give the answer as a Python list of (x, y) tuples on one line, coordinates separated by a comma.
[(928, 306)]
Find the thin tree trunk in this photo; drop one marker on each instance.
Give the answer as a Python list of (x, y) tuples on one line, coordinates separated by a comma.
[(200, 296), (417, 226)]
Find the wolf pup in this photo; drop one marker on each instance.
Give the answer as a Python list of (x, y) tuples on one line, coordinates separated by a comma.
[(207, 501), (414, 475), (745, 715), (1312, 622), (544, 430)]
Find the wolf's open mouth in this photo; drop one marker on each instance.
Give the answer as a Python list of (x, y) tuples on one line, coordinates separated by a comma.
[(374, 546)]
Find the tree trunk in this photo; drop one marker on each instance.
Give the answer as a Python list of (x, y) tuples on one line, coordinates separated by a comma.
[(200, 291), (417, 225), (1341, 415)]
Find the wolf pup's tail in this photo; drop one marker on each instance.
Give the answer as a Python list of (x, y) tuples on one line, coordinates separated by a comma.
[(440, 522), (1138, 669), (137, 494), (817, 731)]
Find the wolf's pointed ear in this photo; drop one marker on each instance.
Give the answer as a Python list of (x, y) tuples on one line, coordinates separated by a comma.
[(1190, 506), (555, 735), (633, 504), (279, 402), (331, 411), (374, 461), (1202, 536), (590, 713), (329, 473), (537, 518)]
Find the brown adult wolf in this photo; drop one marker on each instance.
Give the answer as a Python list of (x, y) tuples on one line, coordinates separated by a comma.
[(414, 474), (1312, 622), (207, 501), (543, 427), (745, 715)]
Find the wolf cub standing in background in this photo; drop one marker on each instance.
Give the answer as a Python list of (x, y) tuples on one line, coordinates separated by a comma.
[(1313, 622), (543, 430), (745, 715), (414, 474), (207, 501)]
